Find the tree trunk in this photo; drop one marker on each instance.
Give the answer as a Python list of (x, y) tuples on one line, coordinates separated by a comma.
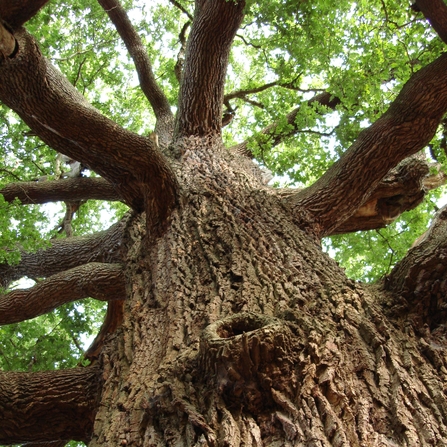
[(239, 331)]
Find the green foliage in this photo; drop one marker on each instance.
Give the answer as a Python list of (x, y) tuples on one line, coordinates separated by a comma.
[(361, 52), (52, 341)]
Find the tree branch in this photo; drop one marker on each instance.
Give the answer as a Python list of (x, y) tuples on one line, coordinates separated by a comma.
[(43, 98), (201, 91), (184, 10), (103, 282), (435, 11), (271, 137), (17, 12), (407, 126), (403, 189), (70, 189), (156, 97), (63, 254), (421, 277), (47, 406)]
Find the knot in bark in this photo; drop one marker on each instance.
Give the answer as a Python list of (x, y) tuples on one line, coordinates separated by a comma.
[(247, 356)]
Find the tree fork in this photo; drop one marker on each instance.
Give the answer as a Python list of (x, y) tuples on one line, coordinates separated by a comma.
[(48, 406), (103, 282)]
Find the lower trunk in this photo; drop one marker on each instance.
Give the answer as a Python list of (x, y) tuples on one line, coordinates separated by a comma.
[(239, 331)]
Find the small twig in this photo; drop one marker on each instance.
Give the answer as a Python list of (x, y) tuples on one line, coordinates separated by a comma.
[(179, 6)]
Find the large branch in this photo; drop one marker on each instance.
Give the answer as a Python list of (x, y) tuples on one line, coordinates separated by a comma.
[(48, 406), (435, 11), (17, 12), (201, 92), (70, 189), (271, 137), (63, 254), (407, 126), (103, 282), (44, 99), (403, 189), (132, 40), (421, 277)]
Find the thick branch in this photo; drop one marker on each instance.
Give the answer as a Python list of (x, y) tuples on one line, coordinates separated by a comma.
[(421, 277), (156, 97), (407, 126), (44, 99), (270, 137), (435, 11), (104, 282), (70, 189), (64, 254), (403, 189), (17, 12), (46, 406), (201, 92)]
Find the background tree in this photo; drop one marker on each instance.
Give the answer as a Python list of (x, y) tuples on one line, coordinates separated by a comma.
[(226, 323)]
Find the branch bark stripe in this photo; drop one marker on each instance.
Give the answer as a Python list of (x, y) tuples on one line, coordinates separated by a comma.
[(103, 282)]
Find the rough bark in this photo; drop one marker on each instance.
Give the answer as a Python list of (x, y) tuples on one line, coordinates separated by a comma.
[(47, 406), (73, 189), (63, 254), (17, 12), (420, 278), (237, 330), (103, 282), (407, 126), (201, 92), (256, 337)]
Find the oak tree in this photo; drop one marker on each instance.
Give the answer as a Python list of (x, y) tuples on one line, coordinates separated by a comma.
[(227, 324)]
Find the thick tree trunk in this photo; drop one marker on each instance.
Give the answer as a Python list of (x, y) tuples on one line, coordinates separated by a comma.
[(240, 331)]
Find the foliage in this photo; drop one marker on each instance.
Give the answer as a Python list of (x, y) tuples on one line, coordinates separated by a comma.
[(361, 52)]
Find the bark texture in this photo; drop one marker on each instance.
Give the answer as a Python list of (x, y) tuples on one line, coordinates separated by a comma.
[(73, 189), (239, 331), (64, 254), (48, 406), (420, 278), (201, 96), (103, 282)]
